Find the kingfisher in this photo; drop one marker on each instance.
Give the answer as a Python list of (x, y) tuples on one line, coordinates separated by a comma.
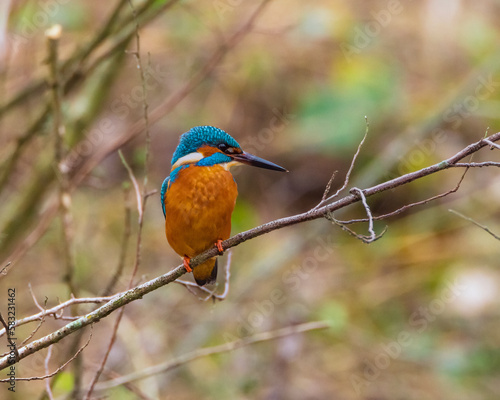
[(199, 195)]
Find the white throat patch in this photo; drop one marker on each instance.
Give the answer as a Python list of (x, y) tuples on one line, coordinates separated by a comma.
[(229, 164), (188, 159)]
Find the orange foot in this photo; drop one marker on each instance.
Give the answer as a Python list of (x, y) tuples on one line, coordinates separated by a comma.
[(186, 264), (218, 244)]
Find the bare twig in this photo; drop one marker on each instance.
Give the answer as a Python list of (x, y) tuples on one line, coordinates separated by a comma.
[(112, 340), (210, 294), (131, 175), (125, 240), (325, 200), (227, 277), (38, 326), (12, 344), (3, 271), (37, 304), (477, 165), (411, 205), (52, 311), (129, 386), (47, 381), (328, 187), (39, 378), (141, 204), (145, 105), (204, 352), (368, 213), (483, 227), (53, 35), (363, 238), (491, 143)]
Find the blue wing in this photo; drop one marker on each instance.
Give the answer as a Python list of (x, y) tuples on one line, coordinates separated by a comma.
[(164, 188), (166, 185)]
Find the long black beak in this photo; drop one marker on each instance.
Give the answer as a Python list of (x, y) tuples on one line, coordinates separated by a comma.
[(250, 159)]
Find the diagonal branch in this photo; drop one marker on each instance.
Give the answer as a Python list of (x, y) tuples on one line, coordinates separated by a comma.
[(162, 280), (207, 351)]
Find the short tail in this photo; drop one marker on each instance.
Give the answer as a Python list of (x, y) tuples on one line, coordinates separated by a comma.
[(206, 272)]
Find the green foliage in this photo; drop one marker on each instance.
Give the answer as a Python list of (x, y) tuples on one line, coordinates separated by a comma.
[(333, 116), (335, 314), (64, 383)]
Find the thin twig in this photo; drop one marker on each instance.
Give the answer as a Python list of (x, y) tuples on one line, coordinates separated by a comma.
[(492, 144), (483, 227), (210, 294), (349, 171), (131, 175), (328, 187), (125, 242), (42, 320), (39, 378), (372, 236), (52, 311), (477, 164), (53, 36), (129, 386), (363, 238), (145, 105), (411, 205), (37, 304), (106, 354), (48, 390), (9, 339), (3, 271), (227, 277)]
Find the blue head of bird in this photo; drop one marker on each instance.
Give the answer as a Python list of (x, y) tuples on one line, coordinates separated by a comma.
[(208, 146)]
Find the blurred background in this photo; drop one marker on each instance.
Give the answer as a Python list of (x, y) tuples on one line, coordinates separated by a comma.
[(414, 315)]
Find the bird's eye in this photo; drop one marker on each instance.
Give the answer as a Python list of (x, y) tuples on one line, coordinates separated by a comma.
[(223, 147)]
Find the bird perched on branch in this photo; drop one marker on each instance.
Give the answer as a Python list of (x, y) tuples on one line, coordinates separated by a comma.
[(198, 197)]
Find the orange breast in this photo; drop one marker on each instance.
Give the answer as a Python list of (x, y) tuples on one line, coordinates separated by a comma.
[(198, 208)]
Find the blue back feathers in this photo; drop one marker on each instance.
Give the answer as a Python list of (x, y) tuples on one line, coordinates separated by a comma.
[(163, 191), (199, 136)]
